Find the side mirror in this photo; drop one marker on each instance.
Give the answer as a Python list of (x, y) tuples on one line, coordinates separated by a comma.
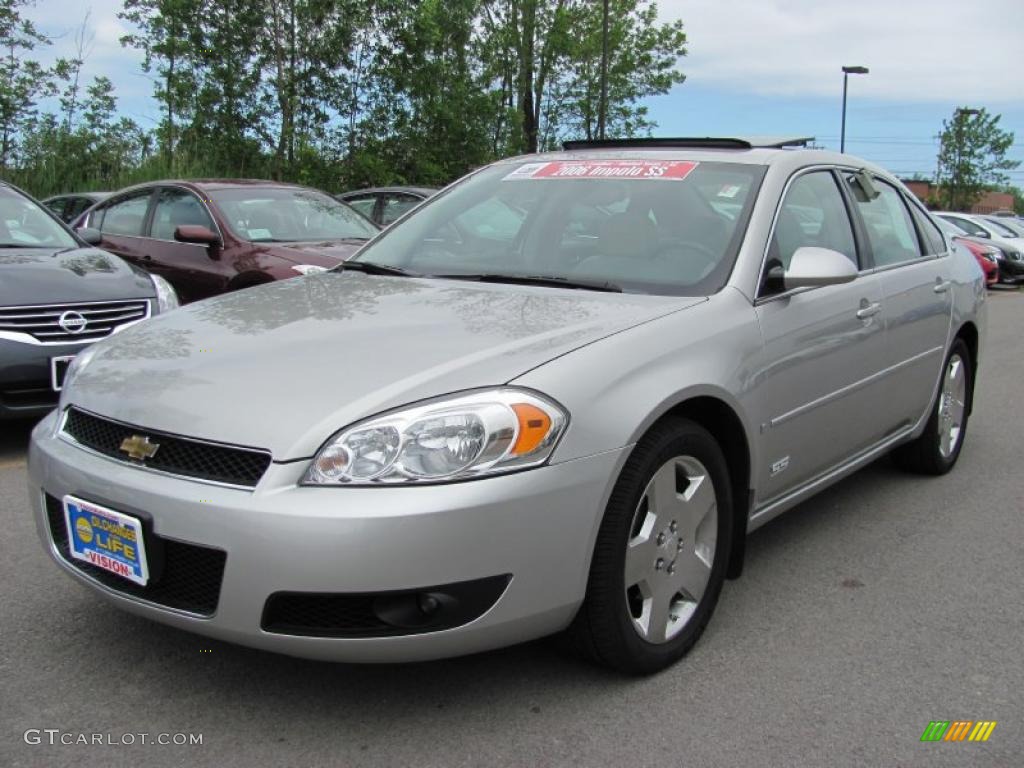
[(812, 266), (984, 234), (89, 235), (200, 235), (196, 233)]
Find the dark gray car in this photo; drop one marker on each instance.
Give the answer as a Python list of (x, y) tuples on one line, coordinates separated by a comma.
[(57, 295)]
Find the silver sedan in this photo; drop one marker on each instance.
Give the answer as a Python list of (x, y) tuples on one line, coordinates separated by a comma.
[(556, 397)]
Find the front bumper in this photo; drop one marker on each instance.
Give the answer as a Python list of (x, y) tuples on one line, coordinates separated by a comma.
[(1011, 271), (26, 389), (537, 526)]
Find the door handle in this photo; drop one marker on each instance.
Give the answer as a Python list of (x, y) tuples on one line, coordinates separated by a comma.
[(147, 257), (868, 310), (941, 286)]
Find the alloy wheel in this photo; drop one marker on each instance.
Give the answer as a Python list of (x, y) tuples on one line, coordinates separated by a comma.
[(671, 549), (952, 405)]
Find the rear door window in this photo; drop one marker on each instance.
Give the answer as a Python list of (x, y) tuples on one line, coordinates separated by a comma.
[(126, 216), (931, 238), (889, 226)]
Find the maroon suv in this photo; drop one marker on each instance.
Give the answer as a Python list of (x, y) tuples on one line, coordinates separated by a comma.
[(211, 236)]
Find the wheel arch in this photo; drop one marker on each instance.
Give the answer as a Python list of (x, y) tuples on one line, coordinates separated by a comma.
[(968, 332), (723, 422)]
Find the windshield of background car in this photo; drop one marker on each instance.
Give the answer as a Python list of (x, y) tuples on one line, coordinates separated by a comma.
[(286, 215), (24, 224), (1000, 228), (648, 226)]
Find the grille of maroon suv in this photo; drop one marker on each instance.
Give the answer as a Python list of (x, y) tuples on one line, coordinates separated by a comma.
[(176, 455), (189, 577), (87, 321)]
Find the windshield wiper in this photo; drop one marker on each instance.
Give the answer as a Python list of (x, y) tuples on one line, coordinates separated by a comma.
[(372, 268), (24, 245), (553, 281)]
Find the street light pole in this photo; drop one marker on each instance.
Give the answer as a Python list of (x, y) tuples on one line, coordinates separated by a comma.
[(847, 71)]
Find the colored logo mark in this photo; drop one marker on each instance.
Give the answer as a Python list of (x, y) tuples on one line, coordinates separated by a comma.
[(958, 730), (84, 530)]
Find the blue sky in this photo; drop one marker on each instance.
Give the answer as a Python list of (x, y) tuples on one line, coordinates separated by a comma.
[(758, 67)]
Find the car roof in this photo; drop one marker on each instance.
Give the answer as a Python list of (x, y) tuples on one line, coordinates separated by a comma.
[(426, 191), (213, 184), (91, 195), (789, 154)]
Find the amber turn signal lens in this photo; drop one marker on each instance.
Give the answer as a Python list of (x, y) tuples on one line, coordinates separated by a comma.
[(534, 426)]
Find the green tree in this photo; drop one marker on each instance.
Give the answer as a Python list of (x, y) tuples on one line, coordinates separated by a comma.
[(639, 59), (22, 81), (166, 36), (972, 155)]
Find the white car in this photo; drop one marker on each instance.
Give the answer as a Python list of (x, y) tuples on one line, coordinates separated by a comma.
[(1000, 235)]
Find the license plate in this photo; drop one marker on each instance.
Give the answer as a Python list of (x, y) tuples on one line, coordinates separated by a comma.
[(58, 369), (106, 538)]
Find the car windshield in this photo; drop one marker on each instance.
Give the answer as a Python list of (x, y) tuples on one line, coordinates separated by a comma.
[(966, 225), (645, 226), (24, 224), (1000, 228), (288, 214)]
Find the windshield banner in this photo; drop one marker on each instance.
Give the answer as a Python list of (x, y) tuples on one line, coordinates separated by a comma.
[(670, 170)]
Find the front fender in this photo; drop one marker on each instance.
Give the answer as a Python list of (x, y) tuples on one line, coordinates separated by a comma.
[(617, 388)]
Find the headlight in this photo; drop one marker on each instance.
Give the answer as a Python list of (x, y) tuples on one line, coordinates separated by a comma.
[(308, 269), (456, 438), (166, 298)]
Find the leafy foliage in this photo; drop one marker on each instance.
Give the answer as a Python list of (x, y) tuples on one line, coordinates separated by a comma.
[(335, 93), (972, 156)]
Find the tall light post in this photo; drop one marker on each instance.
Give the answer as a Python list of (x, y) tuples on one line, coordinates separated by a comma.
[(847, 71)]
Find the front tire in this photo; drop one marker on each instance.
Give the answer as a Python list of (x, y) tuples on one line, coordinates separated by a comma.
[(661, 553), (936, 451)]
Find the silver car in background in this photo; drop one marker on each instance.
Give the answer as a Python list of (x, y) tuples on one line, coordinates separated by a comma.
[(555, 398)]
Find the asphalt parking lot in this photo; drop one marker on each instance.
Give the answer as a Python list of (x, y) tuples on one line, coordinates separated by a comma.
[(884, 603)]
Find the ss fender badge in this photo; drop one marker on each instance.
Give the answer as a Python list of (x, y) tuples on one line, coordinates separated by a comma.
[(780, 465)]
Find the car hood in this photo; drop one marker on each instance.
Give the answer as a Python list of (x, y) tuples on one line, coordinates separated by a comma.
[(285, 365), (59, 276), (322, 254)]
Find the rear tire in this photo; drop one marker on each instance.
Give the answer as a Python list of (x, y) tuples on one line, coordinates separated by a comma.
[(661, 553), (936, 451)]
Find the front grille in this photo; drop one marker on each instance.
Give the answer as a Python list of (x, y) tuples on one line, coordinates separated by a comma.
[(189, 578), (176, 455), (101, 318)]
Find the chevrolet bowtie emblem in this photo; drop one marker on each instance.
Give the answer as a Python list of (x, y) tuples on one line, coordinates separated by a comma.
[(139, 448)]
